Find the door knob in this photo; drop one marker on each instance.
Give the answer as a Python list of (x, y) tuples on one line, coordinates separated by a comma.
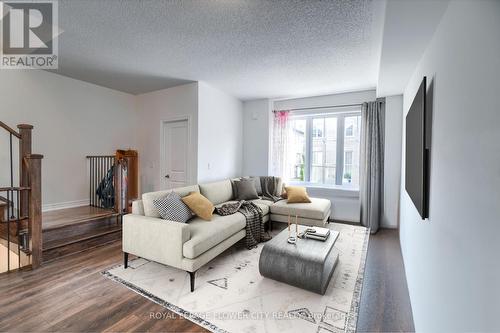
[(167, 176)]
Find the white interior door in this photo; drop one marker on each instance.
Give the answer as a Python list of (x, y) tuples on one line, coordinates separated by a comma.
[(175, 155)]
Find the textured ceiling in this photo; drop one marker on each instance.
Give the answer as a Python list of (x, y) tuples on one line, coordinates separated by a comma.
[(250, 49)]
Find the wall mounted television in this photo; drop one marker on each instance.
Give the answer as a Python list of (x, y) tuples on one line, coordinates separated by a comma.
[(417, 151)]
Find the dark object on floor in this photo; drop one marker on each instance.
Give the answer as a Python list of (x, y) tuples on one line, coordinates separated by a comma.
[(106, 189)]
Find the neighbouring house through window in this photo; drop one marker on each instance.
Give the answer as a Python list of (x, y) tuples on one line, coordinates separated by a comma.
[(324, 148)]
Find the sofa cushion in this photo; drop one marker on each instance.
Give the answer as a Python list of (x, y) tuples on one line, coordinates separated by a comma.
[(217, 192), (263, 207), (317, 209), (300, 220), (205, 235), (172, 208), (245, 190), (147, 198), (261, 201)]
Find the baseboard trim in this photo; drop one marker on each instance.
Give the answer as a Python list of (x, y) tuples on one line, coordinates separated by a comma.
[(63, 205)]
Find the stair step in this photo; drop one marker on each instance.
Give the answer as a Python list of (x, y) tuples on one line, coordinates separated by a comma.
[(12, 245), (63, 247), (78, 220), (77, 229), (12, 229), (14, 220), (80, 238)]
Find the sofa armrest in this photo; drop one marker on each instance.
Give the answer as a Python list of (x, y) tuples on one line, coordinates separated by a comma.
[(154, 239)]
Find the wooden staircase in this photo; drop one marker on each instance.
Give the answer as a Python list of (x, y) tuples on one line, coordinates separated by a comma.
[(20, 203), (28, 237), (73, 230)]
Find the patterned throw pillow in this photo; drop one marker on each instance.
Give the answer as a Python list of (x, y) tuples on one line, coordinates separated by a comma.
[(172, 208)]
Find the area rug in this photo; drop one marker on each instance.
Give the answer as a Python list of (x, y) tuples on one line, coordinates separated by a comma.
[(231, 296)]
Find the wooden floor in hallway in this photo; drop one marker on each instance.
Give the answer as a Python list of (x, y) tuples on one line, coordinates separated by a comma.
[(385, 303), (70, 295)]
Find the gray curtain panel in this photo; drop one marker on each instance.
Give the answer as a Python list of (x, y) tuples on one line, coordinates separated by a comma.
[(372, 164)]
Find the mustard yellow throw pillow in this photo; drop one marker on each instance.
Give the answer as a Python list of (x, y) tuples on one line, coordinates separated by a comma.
[(297, 194), (200, 205)]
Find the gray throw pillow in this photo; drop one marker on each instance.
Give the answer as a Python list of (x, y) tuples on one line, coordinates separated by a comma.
[(233, 185), (245, 189), (258, 187), (172, 208)]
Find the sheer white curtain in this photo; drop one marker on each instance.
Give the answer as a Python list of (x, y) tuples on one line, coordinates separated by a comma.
[(281, 129)]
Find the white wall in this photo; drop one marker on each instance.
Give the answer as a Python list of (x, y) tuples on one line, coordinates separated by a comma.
[(154, 108), (451, 259), (220, 134), (257, 123), (392, 160), (71, 119)]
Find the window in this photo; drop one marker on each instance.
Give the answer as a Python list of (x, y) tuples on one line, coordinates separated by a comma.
[(324, 149), (347, 167), (349, 130)]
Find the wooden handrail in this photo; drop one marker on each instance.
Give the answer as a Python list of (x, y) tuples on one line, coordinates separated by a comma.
[(10, 130), (15, 188), (94, 156)]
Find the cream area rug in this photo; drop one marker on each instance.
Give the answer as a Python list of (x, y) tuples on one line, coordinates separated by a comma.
[(231, 296)]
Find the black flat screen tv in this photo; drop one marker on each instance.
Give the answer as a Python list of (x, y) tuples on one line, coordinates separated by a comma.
[(417, 152)]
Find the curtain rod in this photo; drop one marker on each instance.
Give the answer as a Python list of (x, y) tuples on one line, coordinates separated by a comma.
[(321, 107)]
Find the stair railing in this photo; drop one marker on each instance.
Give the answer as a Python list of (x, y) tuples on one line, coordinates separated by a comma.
[(107, 187), (21, 207)]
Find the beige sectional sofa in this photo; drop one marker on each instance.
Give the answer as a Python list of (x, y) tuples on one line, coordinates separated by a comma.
[(188, 246)]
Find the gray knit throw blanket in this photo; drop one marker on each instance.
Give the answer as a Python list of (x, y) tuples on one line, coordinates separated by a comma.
[(253, 214), (270, 188)]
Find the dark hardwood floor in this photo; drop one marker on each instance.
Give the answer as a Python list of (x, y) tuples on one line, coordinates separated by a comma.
[(385, 303), (70, 295)]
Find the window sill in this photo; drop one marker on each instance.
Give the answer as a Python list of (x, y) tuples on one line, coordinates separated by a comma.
[(335, 190)]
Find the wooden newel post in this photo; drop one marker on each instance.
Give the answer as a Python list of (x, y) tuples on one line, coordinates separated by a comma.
[(24, 151), (35, 207)]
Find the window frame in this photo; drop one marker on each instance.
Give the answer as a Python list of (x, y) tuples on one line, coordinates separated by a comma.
[(340, 153)]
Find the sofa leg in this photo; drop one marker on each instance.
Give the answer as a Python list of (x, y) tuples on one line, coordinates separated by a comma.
[(191, 278), (125, 260)]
